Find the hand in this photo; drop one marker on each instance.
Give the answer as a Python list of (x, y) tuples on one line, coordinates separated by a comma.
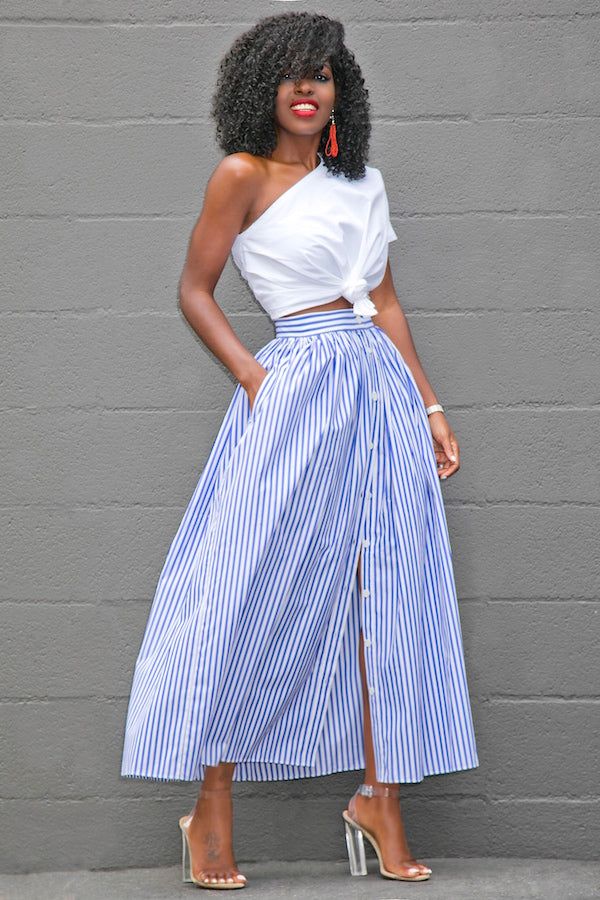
[(445, 446), (253, 383)]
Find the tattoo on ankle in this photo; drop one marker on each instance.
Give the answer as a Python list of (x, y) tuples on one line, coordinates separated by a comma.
[(212, 844)]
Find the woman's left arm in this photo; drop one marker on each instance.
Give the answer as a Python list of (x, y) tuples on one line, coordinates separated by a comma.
[(391, 319)]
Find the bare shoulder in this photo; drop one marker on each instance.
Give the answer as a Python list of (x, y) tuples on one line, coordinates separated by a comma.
[(231, 193), (240, 172)]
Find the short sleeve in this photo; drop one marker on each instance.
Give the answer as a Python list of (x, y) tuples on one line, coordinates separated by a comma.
[(385, 210)]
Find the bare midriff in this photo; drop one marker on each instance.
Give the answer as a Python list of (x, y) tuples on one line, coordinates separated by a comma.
[(340, 303)]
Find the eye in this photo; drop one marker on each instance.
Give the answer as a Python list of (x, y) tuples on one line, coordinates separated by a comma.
[(322, 76), (287, 77)]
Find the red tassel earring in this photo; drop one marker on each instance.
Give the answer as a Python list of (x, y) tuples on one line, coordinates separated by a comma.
[(331, 148)]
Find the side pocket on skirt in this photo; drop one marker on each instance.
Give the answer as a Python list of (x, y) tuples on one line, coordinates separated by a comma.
[(263, 388)]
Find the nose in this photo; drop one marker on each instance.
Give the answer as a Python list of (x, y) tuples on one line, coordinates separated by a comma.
[(303, 86)]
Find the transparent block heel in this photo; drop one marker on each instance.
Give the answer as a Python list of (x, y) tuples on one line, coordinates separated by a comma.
[(356, 835), (356, 849), (185, 867)]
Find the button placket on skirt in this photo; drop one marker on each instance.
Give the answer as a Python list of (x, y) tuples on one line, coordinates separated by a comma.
[(368, 593)]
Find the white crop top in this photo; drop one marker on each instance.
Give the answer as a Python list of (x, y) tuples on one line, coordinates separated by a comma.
[(323, 238)]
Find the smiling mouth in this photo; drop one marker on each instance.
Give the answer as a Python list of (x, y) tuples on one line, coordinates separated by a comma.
[(304, 109)]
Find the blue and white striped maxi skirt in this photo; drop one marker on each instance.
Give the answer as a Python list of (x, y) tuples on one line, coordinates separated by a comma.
[(250, 654)]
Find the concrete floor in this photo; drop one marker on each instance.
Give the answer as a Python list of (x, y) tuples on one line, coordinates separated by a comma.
[(452, 879)]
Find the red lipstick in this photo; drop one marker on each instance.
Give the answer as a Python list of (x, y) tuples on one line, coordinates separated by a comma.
[(304, 108)]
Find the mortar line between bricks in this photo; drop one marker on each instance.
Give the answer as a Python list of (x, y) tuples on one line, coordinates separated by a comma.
[(48, 603), (521, 504), (82, 313), (593, 600), (106, 602), (512, 213), (287, 797), (457, 795), (87, 507), (469, 118), (115, 798), (77, 217), (557, 699), (130, 23), (464, 312), (524, 406), (529, 406), (119, 601), (173, 312), (60, 698), (450, 504), (548, 700), (50, 120), (402, 216), (295, 795), (88, 604), (167, 313), (582, 801), (265, 794)]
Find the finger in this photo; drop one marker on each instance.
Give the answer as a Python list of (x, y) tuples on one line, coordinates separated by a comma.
[(450, 449), (448, 471)]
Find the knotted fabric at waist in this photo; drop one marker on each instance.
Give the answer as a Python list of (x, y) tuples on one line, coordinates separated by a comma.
[(316, 322)]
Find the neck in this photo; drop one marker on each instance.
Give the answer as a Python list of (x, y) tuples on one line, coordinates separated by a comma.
[(293, 150)]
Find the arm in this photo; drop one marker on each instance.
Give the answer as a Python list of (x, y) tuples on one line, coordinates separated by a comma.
[(228, 200), (391, 319)]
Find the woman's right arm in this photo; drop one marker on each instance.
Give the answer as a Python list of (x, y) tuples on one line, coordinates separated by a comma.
[(229, 196)]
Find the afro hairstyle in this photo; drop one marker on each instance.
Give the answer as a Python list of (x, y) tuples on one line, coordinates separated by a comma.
[(299, 44)]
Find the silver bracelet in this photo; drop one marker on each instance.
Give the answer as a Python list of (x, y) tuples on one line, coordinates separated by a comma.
[(435, 408)]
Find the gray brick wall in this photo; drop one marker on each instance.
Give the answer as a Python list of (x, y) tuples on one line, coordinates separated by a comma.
[(487, 128)]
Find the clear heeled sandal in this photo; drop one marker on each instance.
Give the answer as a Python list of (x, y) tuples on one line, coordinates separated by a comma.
[(355, 835), (187, 872)]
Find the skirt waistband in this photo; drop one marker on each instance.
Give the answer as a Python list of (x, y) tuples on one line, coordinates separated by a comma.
[(316, 322)]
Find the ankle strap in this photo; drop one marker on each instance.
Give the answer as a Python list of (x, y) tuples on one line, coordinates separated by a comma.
[(378, 790)]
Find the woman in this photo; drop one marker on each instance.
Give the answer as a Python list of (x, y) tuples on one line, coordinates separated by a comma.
[(305, 620)]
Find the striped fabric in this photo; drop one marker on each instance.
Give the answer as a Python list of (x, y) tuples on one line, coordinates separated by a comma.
[(251, 650)]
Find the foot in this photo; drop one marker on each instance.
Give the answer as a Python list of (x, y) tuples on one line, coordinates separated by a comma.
[(210, 839), (381, 817)]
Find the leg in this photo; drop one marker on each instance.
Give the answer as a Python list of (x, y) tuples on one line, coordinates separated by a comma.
[(210, 830), (381, 815)]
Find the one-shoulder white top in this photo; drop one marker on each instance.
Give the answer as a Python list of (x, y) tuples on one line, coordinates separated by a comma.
[(323, 238)]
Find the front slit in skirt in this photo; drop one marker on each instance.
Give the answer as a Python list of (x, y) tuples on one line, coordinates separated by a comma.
[(250, 654)]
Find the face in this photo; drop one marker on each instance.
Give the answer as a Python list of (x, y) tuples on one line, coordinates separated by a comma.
[(303, 107)]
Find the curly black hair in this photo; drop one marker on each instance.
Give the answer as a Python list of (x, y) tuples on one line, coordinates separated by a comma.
[(249, 75)]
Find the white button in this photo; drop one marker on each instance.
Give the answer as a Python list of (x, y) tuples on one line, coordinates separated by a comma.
[(374, 395), (366, 593), (368, 495), (366, 543), (367, 642), (369, 349), (370, 445), (371, 691)]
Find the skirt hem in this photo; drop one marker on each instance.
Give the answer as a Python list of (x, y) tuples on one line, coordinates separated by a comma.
[(298, 777)]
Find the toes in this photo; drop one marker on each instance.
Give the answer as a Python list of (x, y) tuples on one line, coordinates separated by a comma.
[(418, 871), (221, 877)]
